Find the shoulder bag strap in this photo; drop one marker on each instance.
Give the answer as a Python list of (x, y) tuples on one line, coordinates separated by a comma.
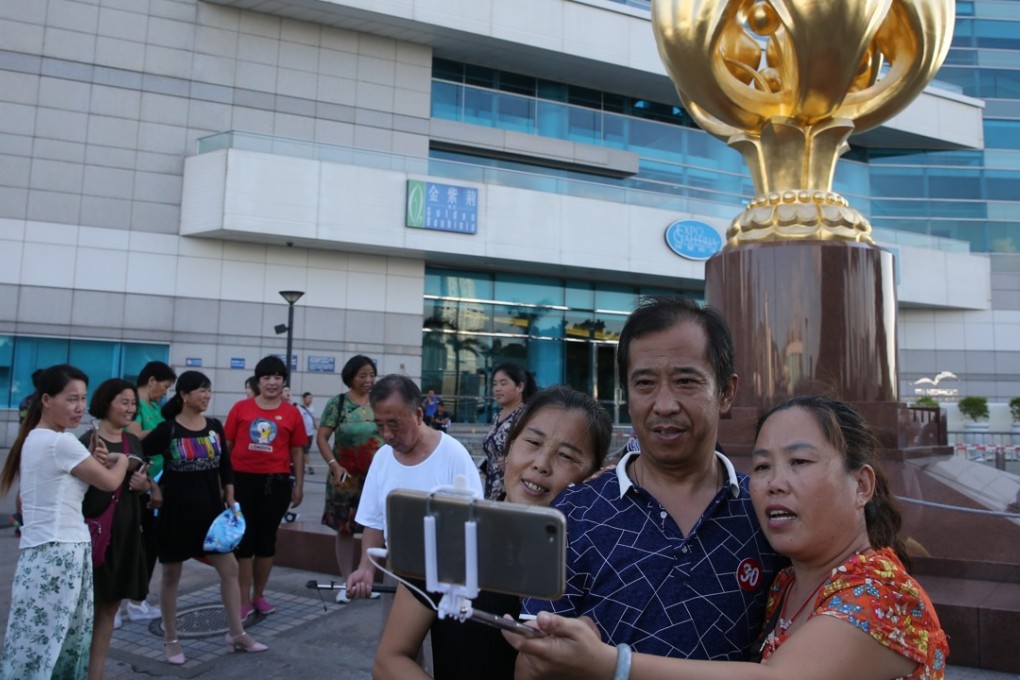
[(341, 411)]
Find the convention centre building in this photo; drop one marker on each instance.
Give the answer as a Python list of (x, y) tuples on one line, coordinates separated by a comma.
[(451, 184)]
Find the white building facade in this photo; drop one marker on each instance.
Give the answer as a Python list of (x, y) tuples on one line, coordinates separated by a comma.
[(167, 167)]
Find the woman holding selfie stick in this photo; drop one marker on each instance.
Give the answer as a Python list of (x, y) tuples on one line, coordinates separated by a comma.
[(846, 609), (349, 417), (124, 573), (198, 482), (561, 438), (49, 630)]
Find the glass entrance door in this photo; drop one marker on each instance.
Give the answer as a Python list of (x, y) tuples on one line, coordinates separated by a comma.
[(590, 367)]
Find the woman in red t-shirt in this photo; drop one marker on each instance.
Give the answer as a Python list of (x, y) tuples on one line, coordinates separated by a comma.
[(267, 439)]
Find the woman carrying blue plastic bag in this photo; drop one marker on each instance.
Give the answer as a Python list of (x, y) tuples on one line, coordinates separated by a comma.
[(198, 483), (226, 531)]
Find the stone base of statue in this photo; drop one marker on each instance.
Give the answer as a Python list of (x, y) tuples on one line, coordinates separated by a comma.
[(811, 317)]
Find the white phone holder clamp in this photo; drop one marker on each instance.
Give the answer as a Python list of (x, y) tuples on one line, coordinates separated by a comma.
[(456, 600)]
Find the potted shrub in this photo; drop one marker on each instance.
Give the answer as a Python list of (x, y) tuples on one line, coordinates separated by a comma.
[(975, 410), (927, 401)]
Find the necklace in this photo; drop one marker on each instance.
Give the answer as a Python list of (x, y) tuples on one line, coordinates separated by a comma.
[(784, 623)]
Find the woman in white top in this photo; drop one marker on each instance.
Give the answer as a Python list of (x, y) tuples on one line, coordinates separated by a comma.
[(50, 625)]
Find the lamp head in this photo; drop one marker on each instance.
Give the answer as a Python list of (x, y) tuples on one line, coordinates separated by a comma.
[(291, 296)]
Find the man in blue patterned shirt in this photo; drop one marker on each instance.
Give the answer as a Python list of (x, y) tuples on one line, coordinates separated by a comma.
[(666, 553)]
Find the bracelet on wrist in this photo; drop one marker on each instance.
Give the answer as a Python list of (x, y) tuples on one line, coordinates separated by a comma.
[(333, 460), (623, 658)]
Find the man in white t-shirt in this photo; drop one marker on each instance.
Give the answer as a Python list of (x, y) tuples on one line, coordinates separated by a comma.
[(311, 426), (415, 457)]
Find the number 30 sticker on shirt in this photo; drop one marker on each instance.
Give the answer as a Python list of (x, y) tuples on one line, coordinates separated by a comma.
[(749, 575)]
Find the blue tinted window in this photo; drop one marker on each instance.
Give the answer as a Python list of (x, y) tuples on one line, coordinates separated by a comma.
[(897, 182), (20, 356), (1002, 185), (1000, 35), (1002, 134), (1003, 237), (447, 70), (529, 289), (16, 392), (447, 100), (954, 183)]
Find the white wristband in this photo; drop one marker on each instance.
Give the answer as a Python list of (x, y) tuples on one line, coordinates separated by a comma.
[(623, 655)]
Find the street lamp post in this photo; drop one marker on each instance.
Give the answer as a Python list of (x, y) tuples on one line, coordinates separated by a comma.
[(291, 296)]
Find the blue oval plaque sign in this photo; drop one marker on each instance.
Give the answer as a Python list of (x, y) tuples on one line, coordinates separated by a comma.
[(693, 239)]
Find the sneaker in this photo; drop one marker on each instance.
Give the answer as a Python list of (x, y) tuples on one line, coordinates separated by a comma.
[(374, 595), (117, 621), (341, 597), (262, 606), (142, 612), (310, 471), (246, 611)]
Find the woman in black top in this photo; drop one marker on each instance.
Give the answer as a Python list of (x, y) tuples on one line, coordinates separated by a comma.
[(123, 573), (561, 438), (198, 483)]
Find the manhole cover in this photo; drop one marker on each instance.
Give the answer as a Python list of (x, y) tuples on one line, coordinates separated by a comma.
[(204, 620)]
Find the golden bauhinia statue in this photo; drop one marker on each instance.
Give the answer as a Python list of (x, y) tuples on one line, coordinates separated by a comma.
[(785, 82)]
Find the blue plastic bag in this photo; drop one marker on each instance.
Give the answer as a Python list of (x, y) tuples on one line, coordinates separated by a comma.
[(225, 532)]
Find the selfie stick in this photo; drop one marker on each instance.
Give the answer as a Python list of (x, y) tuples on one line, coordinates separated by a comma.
[(456, 600)]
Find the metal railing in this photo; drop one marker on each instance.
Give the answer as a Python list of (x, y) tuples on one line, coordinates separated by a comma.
[(998, 448)]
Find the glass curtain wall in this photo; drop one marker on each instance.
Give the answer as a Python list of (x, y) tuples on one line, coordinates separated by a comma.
[(966, 195), (21, 355), (564, 332)]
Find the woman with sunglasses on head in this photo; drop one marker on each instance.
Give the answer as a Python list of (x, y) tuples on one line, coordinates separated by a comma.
[(198, 483), (561, 438), (49, 630), (124, 573), (847, 607)]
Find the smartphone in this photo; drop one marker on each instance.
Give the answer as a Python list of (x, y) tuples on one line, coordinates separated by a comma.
[(522, 549), (93, 435), (506, 624)]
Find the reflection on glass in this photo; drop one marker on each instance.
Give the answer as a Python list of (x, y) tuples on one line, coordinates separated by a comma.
[(561, 331)]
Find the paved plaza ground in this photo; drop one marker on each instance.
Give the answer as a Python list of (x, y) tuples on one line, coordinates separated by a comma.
[(308, 636)]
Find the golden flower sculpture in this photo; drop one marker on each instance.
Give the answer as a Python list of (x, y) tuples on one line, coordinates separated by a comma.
[(785, 82)]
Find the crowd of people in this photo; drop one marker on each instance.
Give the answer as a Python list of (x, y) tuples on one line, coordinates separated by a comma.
[(677, 564)]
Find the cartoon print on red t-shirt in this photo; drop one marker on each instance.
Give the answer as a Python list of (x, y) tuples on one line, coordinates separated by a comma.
[(262, 434)]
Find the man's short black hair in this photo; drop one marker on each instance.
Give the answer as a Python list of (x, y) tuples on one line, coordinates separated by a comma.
[(392, 384), (158, 370), (662, 312)]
